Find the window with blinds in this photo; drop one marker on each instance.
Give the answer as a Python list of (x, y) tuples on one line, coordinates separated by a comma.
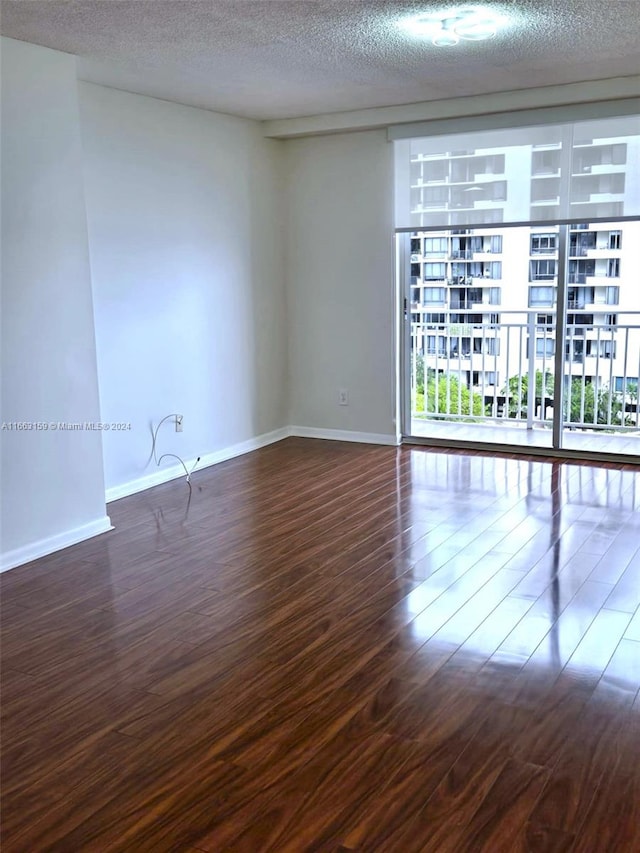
[(580, 171)]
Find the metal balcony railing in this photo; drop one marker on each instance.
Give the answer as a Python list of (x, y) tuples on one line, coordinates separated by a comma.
[(503, 371)]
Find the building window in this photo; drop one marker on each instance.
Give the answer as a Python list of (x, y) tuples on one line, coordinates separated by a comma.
[(613, 268), (435, 246), (612, 295), (626, 384), (579, 271), (542, 270), (436, 344), (461, 272), (543, 244), (434, 294), (541, 297), (545, 190), (545, 347), (436, 197), (496, 245), (578, 297), (435, 272), (499, 191), (436, 170), (601, 349), (574, 351), (580, 319), (493, 270), (615, 239), (545, 162)]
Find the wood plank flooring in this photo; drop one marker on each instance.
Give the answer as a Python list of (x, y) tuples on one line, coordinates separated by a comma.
[(334, 647)]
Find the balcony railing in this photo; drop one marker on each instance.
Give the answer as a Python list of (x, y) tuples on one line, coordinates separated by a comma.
[(504, 371)]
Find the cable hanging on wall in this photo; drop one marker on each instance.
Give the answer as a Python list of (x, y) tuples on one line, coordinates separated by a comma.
[(172, 455)]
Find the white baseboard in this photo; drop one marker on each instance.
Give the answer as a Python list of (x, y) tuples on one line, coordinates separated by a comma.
[(344, 435), (174, 472), (26, 554), (20, 556)]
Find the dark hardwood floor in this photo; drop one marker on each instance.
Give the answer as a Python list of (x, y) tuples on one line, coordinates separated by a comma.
[(334, 647)]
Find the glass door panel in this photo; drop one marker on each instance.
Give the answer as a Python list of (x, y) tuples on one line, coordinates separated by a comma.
[(483, 350), (602, 339), (480, 311)]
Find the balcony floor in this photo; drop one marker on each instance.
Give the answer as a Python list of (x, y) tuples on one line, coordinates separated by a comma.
[(627, 443)]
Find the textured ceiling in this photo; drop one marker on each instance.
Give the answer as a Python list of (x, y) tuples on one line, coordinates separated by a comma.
[(271, 59)]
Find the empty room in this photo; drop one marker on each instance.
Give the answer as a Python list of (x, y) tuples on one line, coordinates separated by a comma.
[(320, 445)]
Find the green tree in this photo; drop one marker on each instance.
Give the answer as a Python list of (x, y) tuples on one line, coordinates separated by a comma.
[(417, 365), (587, 406), (517, 390), (582, 403), (447, 395)]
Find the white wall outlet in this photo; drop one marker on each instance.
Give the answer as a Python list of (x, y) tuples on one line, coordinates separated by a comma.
[(343, 397), (179, 419)]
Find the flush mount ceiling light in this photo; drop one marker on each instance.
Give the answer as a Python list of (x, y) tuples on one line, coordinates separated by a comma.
[(470, 23)]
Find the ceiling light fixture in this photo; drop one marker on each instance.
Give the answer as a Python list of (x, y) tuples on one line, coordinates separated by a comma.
[(445, 29)]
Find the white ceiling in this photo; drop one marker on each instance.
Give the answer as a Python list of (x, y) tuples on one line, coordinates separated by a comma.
[(273, 59)]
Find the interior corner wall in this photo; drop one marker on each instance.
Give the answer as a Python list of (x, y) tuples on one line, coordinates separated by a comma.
[(340, 274), (185, 230), (52, 480)]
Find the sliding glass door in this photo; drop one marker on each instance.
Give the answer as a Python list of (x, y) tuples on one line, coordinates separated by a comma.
[(488, 310), (520, 309), (601, 357), (481, 320)]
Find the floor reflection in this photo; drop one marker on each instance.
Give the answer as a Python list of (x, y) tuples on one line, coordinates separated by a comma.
[(533, 555)]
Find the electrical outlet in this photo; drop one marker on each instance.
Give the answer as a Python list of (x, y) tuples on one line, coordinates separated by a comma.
[(343, 397), (179, 419)]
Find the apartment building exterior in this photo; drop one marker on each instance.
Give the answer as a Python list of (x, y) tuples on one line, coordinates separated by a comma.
[(484, 298)]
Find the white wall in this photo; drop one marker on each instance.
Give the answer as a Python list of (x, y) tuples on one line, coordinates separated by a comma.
[(185, 230), (52, 481), (340, 281), (183, 276)]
